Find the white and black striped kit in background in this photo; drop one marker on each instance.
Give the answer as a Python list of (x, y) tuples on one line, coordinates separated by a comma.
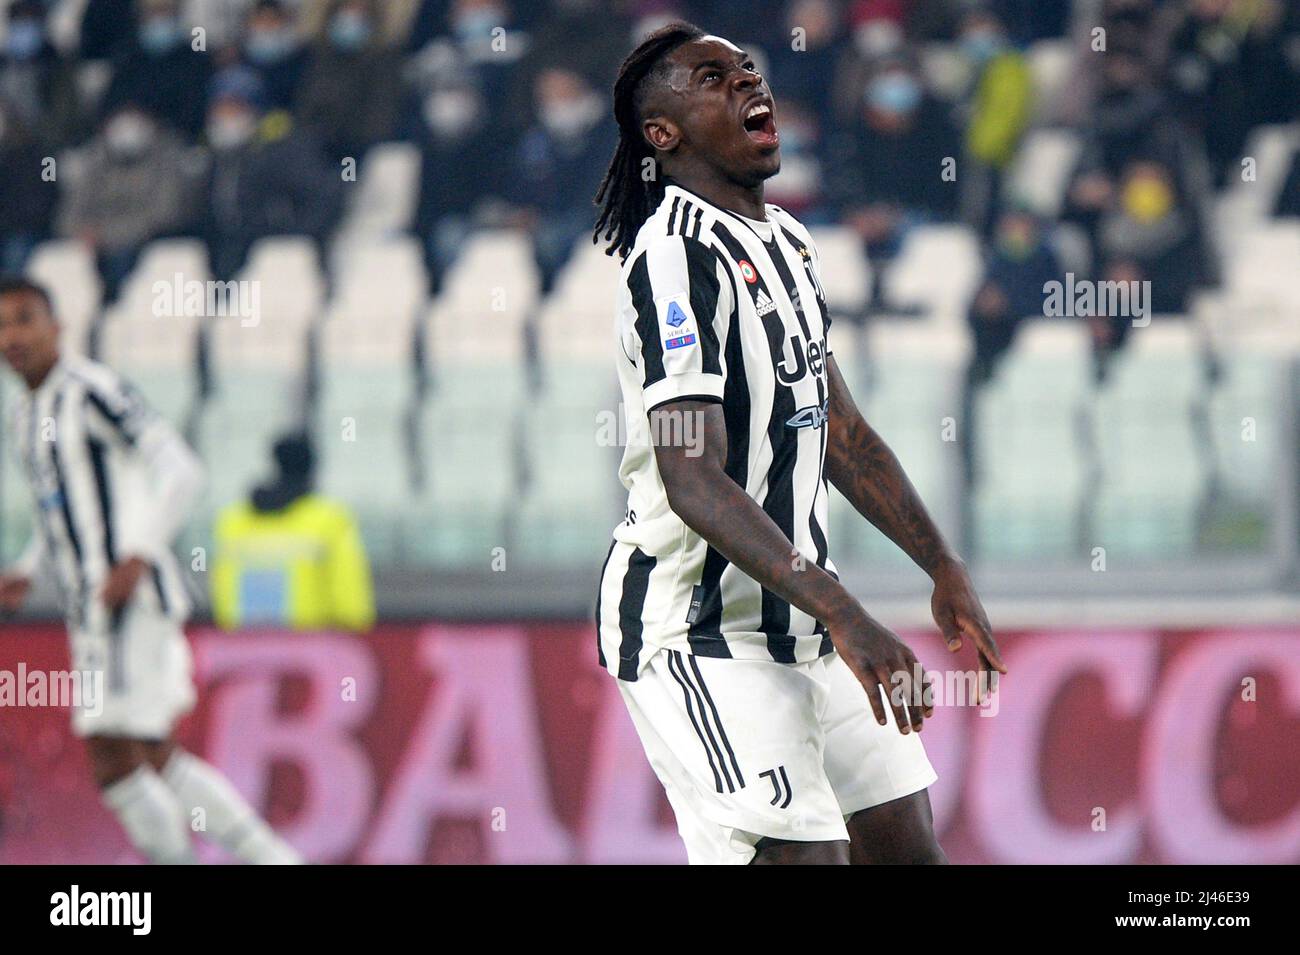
[(80, 438), (110, 479), (717, 307)]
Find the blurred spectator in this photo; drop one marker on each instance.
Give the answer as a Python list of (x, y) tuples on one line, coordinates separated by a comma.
[(931, 21), (289, 557), (393, 19), (998, 110), (1152, 231), (596, 57), (139, 181), (799, 188), (160, 71), (559, 167), (352, 89), (222, 20), (1020, 262), (1230, 73), (1131, 124), (459, 163), (267, 177), (551, 41), (1110, 332), (887, 173), (1031, 20), (107, 27), (877, 36), (38, 84), (273, 49), (481, 39), (27, 194), (748, 24), (1288, 198), (806, 75), (1130, 118)]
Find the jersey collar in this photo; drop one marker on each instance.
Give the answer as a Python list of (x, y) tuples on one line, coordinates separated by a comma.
[(51, 382), (764, 230)]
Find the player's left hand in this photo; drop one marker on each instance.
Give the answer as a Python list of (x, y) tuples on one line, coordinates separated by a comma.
[(958, 612), (121, 582)]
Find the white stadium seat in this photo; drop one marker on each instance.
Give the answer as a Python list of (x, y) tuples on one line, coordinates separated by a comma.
[(1040, 173), (67, 269), (388, 189), (938, 268)]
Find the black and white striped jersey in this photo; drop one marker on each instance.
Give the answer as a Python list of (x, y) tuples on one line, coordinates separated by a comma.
[(717, 307), (110, 479)]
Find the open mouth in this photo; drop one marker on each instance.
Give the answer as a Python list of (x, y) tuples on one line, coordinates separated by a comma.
[(760, 125)]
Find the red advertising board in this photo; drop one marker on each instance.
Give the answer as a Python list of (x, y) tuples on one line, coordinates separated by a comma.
[(508, 744)]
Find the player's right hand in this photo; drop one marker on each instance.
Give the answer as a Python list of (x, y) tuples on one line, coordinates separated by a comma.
[(13, 591), (879, 659)]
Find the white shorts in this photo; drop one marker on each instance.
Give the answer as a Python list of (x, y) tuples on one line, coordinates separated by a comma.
[(144, 675), (748, 749)]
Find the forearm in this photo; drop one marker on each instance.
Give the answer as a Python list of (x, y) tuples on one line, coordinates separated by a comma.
[(864, 469), (870, 476)]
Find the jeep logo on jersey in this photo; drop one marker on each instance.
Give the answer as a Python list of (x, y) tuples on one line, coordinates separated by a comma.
[(816, 360), (814, 416)]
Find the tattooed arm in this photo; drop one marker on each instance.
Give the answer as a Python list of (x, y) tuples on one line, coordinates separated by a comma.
[(713, 505), (869, 475)]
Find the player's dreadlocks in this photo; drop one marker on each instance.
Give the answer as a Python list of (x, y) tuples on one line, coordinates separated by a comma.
[(625, 197)]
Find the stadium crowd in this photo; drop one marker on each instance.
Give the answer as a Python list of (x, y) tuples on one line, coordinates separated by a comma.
[(238, 129)]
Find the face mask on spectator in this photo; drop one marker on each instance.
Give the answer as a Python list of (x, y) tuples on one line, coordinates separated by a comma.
[(128, 135), (878, 38), (159, 35), (572, 117), (350, 30), (1017, 240), (894, 93), (450, 112), (230, 130), (266, 47), (981, 45), (1147, 198), (477, 24), (25, 39)]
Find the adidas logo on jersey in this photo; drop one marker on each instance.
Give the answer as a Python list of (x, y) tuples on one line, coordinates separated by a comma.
[(763, 303)]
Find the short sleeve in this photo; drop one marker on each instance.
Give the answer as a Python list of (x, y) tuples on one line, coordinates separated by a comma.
[(682, 308), (119, 411)]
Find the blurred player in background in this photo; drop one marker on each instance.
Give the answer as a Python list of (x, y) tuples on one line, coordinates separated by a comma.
[(740, 656), (112, 483)]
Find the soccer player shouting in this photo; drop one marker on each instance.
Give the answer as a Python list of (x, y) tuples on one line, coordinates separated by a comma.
[(761, 689), (112, 483)]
